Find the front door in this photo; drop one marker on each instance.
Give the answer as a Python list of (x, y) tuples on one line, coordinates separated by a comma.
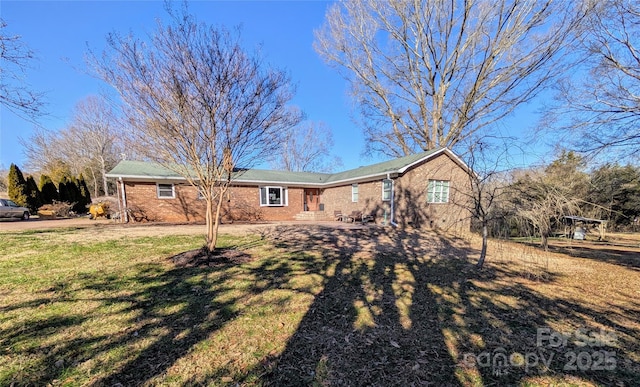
[(311, 199)]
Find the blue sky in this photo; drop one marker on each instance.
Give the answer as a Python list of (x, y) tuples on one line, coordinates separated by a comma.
[(59, 32)]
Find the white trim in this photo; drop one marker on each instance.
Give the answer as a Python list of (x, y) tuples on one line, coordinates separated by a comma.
[(393, 200), (360, 179), (146, 177), (390, 190), (447, 151), (279, 183), (356, 192), (173, 191), (124, 201), (284, 196), (433, 194), (436, 153)]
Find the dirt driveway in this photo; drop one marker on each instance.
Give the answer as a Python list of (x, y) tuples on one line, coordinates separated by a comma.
[(113, 230), (34, 223), (103, 229)]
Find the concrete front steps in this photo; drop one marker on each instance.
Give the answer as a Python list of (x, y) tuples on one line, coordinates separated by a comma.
[(313, 216)]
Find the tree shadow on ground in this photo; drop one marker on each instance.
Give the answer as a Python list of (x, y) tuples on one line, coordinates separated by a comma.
[(618, 256), (172, 334), (375, 321), (173, 306), (405, 307), (396, 307)]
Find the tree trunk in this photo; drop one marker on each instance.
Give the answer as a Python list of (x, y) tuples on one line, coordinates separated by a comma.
[(485, 240), (217, 219), (103, 172), (544, 241), (95, 183), (213, 221), (211, 230)]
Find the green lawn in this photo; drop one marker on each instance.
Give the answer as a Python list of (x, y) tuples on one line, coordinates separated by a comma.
[(309, 306)]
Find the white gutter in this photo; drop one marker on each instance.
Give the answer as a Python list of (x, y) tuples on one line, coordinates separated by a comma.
[(124, 202), (394, 224), (145, 177), (119, 202), (258, 182)]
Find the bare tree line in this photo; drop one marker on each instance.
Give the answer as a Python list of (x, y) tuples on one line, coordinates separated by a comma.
[(306, 148), (91, 144), (423, 74), (534, 201), (434, 73)]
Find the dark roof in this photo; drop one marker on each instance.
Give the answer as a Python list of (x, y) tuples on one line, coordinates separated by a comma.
[(140, 170)]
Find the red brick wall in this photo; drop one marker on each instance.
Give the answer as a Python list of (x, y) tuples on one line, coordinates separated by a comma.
[(410, 197), (369, 200), (240, 204)]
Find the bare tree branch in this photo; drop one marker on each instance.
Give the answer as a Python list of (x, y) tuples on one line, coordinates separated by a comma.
[(543, 197), (198, 104), (90, 144), (15, 93), (94, 137), (599, 109), (306, 148), (41, 149), (487, 198), (432, 73)]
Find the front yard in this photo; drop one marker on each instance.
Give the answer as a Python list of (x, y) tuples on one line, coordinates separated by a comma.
[(312, 305)]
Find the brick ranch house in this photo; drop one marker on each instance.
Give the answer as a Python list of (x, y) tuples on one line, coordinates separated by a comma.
[(425, 189)]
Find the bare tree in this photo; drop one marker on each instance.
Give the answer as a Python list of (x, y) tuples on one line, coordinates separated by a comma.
[(543, 197), (599, 109), (93, 137), (55, 153), (198, 103), (42, 149), (306, 147), (89, 145), (427, 74), (486, 201), (3, 178), (542, 204), (15, 93)]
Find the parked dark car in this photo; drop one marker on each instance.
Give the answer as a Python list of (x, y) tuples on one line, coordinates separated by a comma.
[(9, 209)]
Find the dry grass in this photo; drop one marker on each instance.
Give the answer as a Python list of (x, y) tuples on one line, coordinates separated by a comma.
[(310, 305)]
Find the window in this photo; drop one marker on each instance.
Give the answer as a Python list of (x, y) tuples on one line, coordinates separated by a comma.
[(438, 191), (354, 193), (165, 191), (387, 186), (273, 196)]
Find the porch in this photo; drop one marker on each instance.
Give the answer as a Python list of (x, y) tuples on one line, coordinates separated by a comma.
[(313, 216)]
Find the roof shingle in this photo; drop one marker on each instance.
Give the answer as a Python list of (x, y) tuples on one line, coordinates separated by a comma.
[(128, 169)]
